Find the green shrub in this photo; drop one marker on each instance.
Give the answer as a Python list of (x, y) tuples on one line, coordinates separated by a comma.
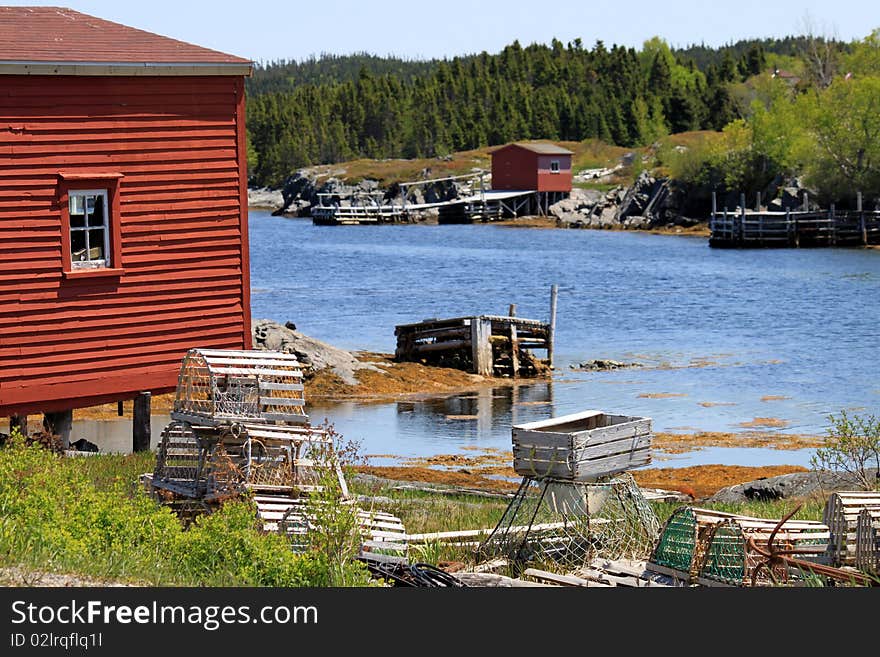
[(88, 516), (852, 446)]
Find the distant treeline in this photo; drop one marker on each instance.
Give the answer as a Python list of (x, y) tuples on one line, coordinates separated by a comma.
[(336, 108)]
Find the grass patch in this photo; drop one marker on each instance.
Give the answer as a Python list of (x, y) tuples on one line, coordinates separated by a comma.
[(88, 516), (603, 187)]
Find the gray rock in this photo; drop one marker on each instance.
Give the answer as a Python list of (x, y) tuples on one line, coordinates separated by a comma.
[(608, 217), (313, 354), (265, 198), (298, 188), (600, 364), (564, 207), (795, 485), (573, 220)]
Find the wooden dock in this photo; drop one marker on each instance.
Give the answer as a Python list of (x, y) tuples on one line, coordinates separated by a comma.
[(490, 345), (744, 228), (482, 205)]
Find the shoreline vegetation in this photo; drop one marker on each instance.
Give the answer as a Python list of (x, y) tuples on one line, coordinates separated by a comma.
[(382, 380)]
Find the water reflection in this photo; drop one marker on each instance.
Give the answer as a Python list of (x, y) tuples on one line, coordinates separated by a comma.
[(115, 436), (483, 413)]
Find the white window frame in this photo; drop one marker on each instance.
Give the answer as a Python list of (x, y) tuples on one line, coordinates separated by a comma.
[(105, 226), (554, 166)]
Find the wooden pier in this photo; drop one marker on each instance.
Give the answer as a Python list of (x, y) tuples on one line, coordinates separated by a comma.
[(490, 345), (744, 228), (482, 205)]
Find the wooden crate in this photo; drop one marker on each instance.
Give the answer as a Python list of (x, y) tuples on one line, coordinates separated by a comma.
[(582, 446)]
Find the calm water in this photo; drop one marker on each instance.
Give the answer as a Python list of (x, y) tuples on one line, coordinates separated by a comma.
[(718, 327)]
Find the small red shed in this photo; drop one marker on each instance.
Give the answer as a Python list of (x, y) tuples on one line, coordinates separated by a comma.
[(123, 208), (541, 167)]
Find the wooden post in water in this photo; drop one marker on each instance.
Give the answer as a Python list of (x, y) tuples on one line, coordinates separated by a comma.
[(481, 346), (514, 350), (758, 202), (514, 343), (551, 337), (862, 223), (742, 217), (140, 430), (832, 225), (714, 212), (806, 202)]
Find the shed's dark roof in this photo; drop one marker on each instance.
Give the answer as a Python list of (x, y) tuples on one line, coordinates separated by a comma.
[(541, 147), (61, 35)]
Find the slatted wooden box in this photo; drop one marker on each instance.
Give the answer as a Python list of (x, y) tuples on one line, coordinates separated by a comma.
[(582, 446)]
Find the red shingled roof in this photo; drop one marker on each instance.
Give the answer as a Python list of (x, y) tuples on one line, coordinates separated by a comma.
[(58, 34)]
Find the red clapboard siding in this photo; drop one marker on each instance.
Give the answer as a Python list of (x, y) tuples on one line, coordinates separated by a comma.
[(519, 167), (178, 142)]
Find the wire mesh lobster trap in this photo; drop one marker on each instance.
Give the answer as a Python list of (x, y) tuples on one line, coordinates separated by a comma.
[(703, 546), (246, 386), (565, 524), (239, 423)]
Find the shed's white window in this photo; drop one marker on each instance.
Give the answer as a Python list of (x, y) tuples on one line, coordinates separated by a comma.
[(89, 229), (554, 166)]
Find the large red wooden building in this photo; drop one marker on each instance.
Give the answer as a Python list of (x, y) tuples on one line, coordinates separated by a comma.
[(540, 167), (123, 208)]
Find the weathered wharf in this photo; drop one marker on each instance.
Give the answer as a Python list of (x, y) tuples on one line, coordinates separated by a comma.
[(480, 206), (490, 345), (744, 228), (497, 204)]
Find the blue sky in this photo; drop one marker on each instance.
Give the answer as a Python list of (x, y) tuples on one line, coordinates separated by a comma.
[(268, 30)]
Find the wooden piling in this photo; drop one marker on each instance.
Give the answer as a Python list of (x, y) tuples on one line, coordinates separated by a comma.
[(511, 311), (832, 238), (141, 423), (758, 202), (514, 350), (481, 346), (60, 424), (551, 337), (863, 225)]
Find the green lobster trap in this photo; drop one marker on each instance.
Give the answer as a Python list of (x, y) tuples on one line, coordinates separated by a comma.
[(713, 548)]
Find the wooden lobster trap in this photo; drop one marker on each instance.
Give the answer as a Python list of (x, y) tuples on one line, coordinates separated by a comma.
[(239, 426), (841, 514), (868, 541), (239, 423)]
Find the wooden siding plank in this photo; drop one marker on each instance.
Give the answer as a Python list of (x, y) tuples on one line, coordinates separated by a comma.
[(176, 143)]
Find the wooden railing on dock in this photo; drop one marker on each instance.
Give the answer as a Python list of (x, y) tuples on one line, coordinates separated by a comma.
[(358, 214), (490, 345), (748, 228)]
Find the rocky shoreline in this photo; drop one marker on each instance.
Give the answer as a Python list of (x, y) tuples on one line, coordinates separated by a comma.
[(650, 203)]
